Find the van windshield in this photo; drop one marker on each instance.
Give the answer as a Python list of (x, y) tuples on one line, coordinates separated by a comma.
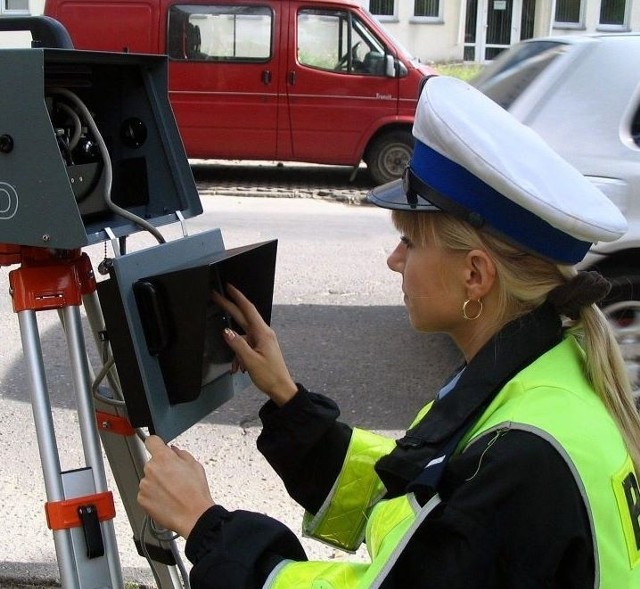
[(506, 78)]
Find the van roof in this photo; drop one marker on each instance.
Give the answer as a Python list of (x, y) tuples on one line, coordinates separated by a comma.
[(339, 3)]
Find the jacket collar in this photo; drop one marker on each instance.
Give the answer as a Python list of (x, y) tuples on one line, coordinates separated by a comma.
[(433, 440)]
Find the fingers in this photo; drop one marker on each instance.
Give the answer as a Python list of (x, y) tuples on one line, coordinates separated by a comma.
[(154, 445), (244, 352), (245, 306), (174, 490), (230, 308)]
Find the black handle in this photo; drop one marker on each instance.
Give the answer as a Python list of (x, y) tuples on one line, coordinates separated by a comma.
[(153, 316)]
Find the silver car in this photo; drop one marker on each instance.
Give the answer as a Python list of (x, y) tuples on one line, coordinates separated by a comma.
[(581, 93)]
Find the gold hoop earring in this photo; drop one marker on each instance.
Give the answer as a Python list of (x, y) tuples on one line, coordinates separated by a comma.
[(464, 309)]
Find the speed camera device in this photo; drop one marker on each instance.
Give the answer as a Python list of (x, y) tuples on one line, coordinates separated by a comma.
[(89, 153), (166, 330)]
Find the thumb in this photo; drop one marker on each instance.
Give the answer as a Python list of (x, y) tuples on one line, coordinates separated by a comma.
[(154, 444)]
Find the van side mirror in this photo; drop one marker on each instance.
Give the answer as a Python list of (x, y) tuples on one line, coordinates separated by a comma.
[(394, 68)]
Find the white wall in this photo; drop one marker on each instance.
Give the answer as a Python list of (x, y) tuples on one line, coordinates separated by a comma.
[(441, 42)]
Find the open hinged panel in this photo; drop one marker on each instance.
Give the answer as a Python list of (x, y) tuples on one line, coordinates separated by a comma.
[(166, 331)]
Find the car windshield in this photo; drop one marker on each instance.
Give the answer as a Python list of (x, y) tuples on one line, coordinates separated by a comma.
[(511, 73)]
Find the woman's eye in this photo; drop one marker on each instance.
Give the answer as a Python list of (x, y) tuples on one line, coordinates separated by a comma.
[(405, 241)]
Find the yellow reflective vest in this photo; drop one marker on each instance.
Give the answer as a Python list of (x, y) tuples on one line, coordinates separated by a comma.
[(550, 398)]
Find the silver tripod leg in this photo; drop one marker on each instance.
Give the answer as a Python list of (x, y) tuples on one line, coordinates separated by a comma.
[(127, 456), (78, 570)]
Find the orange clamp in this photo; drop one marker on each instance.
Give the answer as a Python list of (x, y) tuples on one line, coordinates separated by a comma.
[(114, 424), (62, 515)]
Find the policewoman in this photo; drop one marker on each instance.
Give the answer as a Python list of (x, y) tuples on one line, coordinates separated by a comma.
[(523, 473)]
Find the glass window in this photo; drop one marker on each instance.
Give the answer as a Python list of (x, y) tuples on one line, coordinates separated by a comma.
[(220, 33), (338, 41), (506, 78), (382, 7), (527, 20), (612, 12), (568, 11), (15, 5), (428, 8)]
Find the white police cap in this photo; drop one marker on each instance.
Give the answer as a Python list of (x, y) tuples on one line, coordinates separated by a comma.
[(474, 160)]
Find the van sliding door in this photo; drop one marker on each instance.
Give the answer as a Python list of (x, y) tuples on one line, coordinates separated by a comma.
[(223, 75)]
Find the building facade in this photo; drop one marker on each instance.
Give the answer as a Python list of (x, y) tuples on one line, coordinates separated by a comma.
[(477, 30), (464, 30)]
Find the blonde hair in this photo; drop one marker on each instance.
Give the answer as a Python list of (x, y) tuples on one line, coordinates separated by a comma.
[(524, 281)]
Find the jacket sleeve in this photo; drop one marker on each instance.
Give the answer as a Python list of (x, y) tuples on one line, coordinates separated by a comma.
[(327, 467), (305, 445), (238, 550)]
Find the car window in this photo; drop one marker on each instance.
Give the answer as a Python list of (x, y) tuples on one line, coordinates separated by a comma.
[(514, 70), (338, 41), (220, 33), (635, 127)]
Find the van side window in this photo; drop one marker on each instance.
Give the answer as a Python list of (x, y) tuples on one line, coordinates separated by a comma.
[(337, 40), (220, 33)]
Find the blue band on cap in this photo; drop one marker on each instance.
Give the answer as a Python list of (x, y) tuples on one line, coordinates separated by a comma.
[(502, 214)]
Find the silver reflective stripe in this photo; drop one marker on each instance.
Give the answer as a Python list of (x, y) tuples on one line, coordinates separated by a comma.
[(422, 514), (312, 525), (275, 572), (510, 425)]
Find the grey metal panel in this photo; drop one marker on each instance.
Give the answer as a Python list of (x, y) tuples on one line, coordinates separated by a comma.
[(151, 178), (36, 203)]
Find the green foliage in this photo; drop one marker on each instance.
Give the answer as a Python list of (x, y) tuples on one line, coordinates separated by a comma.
[(462, 70)]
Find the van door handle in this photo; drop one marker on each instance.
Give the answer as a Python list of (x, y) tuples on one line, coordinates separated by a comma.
[(292, 77), (266, 77)]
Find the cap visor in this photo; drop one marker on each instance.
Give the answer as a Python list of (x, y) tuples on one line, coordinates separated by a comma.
[(392, 196)]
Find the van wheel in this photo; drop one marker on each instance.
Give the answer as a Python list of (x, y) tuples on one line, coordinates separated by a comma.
[(388, 155)]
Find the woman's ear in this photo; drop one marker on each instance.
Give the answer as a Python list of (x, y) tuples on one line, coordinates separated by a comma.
[(480, 274)]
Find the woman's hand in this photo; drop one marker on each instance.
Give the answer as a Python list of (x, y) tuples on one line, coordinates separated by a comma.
[(174, 490), (258, 352)]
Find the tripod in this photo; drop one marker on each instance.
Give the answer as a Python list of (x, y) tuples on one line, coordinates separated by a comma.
[(80, 508)]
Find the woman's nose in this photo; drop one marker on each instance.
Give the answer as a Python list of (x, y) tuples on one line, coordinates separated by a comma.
[(396, 259)]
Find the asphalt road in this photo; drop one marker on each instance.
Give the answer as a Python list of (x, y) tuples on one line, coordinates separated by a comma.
[(341, 324)]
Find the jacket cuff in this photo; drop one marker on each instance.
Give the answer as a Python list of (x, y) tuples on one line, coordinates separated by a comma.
[(207, 526)]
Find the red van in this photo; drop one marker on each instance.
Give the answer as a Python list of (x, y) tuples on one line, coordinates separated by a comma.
[(303, 80)]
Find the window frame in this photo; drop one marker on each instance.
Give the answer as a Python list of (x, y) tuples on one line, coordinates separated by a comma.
[(617, 28), (439, 19), (184, 6), (576, 26), (355, 26), (386, 17), (4, 9)]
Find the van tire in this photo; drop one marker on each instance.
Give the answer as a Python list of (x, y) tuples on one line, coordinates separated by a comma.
[(388, 155)]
